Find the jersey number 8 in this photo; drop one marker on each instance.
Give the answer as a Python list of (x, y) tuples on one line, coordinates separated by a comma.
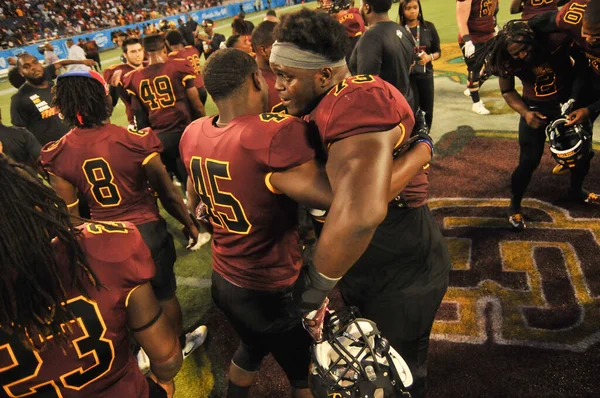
[(100, 177)]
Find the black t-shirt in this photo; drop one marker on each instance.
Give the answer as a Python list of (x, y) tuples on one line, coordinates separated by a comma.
[(31, 107), (429, 42), (386, 49), (16, 80), (19, 144)]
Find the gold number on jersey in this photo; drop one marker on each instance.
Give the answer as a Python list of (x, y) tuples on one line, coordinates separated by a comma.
[(159, 93), (545, 85), (486, 8), (195, 62), (274, 117), (234, 221), (539, 3), (100, 177), (358, 79), (575, 13), (91, 344), (109, 227)]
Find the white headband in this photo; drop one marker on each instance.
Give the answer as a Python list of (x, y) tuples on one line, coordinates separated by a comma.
[(288, 54)]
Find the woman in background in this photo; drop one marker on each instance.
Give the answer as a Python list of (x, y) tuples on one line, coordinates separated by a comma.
[(427, 50)]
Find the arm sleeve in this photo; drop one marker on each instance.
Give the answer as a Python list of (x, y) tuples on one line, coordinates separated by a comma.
[(16, 115), (369, 55), (435, 40)]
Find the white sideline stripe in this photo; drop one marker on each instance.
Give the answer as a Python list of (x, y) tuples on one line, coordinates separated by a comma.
[(260, 16), (193, 282)]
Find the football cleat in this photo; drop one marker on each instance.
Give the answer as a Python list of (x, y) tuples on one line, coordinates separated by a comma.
[(592, 199), (517, 221), (194, 340), (480, 109)]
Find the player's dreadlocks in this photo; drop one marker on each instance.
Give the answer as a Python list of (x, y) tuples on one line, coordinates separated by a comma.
[(82, 101), (31, 291), (494, 56)]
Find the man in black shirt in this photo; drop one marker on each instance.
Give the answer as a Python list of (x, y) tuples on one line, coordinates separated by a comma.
[(17, 80), (386, 49), (31, 107), (211, 41), (19, 144)]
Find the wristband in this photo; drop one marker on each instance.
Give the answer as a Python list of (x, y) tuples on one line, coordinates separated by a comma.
[(424, 141), (320, 281), (466, 38)]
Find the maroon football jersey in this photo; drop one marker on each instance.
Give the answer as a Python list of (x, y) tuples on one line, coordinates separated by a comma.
[(161, 89), (274, 100), (105, 164), (353, 22), (569, 20), (548, 76), (108, 74), (255, 239), (99, 362), (365, 104), (192, 55), (481, 20), (531, 8)]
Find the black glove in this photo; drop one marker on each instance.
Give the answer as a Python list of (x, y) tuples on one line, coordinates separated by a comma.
[(311, 288)]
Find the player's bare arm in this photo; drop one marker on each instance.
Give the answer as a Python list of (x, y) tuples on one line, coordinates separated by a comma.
[(195, 102), (463, 10), (515, 101), (152, 329), (169, 195), (516, 6), (68, 193), (359, 161)]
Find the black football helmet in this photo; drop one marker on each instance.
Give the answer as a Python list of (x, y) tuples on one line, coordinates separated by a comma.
[(568, 144), (333, 6), (354, 361)]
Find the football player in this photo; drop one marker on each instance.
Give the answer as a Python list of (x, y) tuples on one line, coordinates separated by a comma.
[(191, 54), (543, 65), (531, 8), (392, 256), (262, 40), (164, 97), (249, 168), (133, 52), (111, 166), (350, 17), (475, 26), (71, 297)]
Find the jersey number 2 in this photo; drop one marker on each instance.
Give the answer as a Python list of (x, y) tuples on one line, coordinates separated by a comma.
[(26, 364), (215, 170)]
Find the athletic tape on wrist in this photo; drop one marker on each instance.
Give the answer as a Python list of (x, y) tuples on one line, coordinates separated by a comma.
[(288, 54), (320, 281)]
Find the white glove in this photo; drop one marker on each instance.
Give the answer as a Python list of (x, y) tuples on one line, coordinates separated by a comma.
[(469, 49), (496, 30)]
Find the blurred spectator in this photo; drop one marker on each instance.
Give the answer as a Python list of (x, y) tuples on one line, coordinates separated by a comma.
[(92, 52), (76, 53), (271, 16), (240, 42), (211, 41)]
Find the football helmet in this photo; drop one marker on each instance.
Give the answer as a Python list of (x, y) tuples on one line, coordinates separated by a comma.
[(333, 6), (568, 144), (354, 361)]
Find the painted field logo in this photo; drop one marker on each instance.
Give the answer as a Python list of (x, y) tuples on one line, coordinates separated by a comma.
[(537, 288)]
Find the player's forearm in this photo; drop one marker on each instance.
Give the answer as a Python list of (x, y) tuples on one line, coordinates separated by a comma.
[(172, 201), (515, 101), (406, 166), (463, 10)]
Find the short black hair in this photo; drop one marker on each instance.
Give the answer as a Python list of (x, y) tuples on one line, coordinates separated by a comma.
[(129, 42), (232, 40), (271, 13), (592, 13), (379, 6), (153, 43), (313, 31), (263, 34), (174, 37), (226, 71)]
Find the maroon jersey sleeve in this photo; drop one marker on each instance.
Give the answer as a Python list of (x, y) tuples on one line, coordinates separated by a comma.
[(531, 8), (361, 104), (354, 24), (570, 17)]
